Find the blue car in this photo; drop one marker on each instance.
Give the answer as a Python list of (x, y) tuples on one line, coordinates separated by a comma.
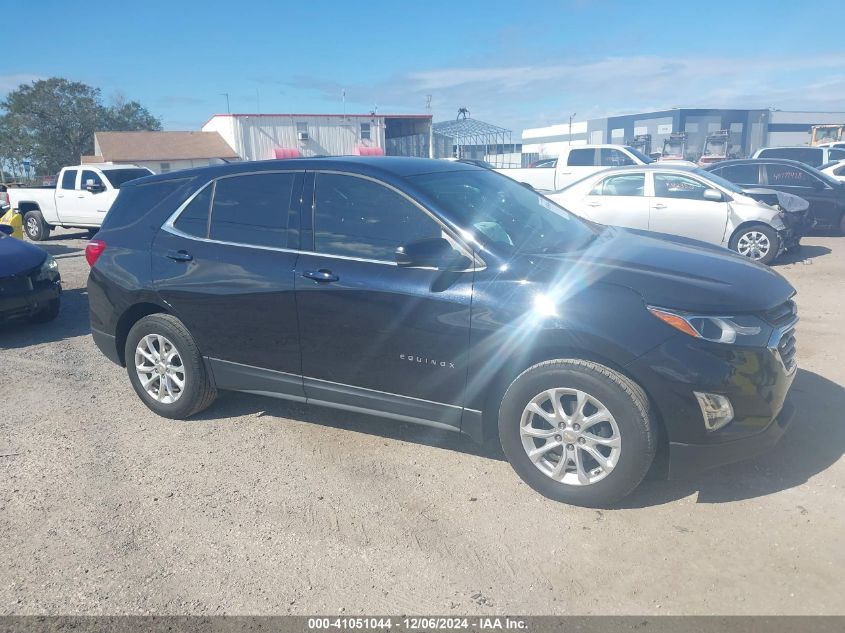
[(30, 284)]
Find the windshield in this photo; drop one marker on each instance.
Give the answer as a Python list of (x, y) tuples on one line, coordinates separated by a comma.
[(504, 213), (119, 176), (723, 183), (646, 159)]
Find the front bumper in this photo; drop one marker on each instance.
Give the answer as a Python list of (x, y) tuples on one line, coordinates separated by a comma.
[(26, 304), (754, 379), (689, 459)]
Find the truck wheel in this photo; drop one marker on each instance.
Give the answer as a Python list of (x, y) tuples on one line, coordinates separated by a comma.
[(35, 227), (577, 432), (50, 312), (757, 242), (166, 369)]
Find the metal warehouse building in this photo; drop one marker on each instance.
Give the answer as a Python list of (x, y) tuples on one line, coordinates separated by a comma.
[(749, 129), (265, 136)]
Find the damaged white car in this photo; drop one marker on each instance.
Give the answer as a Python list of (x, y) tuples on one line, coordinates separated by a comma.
[(684, 201)]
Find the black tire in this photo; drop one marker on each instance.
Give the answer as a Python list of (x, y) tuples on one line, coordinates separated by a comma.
[(842, 224), (769, 232), (35, 227), (48, 313), (198, 392), (627, 403)]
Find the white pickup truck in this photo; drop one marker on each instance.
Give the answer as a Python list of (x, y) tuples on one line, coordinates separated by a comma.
[(575, 163), (82, 197)]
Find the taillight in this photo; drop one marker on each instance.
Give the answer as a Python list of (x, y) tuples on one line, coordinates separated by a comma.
[(93, 251)]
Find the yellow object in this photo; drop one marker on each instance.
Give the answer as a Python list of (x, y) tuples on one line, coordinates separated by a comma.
[(13, 219)]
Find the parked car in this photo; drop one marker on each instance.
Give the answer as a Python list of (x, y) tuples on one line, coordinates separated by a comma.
[(826, 195), (812, 156), (444, 294), (83, 197), (683, 201), (835, 170), (30, 284), (575, 163)]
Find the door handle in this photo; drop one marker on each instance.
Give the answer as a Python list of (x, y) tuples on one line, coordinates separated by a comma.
[(660, 206), (321, 275), (180, 256)]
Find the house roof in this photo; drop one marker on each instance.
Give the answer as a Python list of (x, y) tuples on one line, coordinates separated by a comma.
[(145, 146)]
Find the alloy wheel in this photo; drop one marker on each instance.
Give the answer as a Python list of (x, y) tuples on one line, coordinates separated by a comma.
[(32, 227), (570, 436), (159, 368), (754, 245)]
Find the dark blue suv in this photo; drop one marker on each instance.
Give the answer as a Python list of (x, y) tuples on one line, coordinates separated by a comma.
[(448, 295)]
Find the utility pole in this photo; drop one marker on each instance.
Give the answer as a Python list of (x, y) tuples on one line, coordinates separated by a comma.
[(343, 97), (226, 94), (571, 116), (430, 127)]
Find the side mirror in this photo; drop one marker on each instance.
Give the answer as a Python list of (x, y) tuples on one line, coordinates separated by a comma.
[(7, 229), (434, 252), (713, 195), (93, 187)]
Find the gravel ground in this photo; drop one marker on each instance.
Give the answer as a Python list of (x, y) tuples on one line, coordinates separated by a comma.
[(259, 506)]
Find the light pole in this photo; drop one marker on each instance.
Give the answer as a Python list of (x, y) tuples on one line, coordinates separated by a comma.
[(571, 116), (226, 94)]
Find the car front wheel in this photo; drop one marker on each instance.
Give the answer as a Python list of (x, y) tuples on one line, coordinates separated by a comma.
[(166, 368), (757, 242), (577, 431)]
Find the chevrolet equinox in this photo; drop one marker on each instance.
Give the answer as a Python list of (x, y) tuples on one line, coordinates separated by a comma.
[(448, 295)]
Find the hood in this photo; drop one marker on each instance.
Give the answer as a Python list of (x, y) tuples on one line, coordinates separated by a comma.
[(672, 272), (17, 256), (790, 203)]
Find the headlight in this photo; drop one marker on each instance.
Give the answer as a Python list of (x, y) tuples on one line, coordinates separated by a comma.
[(48, 269), (743, 329)]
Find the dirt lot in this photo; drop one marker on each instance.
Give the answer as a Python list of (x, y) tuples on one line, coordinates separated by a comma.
[(260, 506)]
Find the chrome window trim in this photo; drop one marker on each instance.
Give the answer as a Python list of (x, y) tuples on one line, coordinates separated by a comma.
[(169, 224), (478, 263)]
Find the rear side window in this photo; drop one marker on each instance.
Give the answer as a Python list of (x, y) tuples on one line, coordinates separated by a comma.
[(788, 176), (836, 154), (582, 158), (355, 217), (69, 179), (148, 204), (611, 157), (252, 209), (627, 185), (194, 218), (740, 174)]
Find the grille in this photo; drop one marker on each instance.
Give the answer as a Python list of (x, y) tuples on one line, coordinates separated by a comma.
[(15, 285), (782, 314), (786, 349)]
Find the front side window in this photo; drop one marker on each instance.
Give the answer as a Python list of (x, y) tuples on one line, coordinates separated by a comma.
[(355, 217), (88, 175), (611, 157), (69, 179), (252, 209), (788, 176), (836, 154), (625, 185), (676, 186), (582, 158)]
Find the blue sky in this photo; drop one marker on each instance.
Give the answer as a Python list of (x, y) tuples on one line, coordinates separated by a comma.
[(516, 64)]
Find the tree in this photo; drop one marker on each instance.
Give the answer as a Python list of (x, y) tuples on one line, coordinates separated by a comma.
[(52, 122)]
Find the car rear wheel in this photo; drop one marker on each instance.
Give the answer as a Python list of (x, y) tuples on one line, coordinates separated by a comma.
[(35, 227), (577, 432), (757, 242), (166, 368)]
